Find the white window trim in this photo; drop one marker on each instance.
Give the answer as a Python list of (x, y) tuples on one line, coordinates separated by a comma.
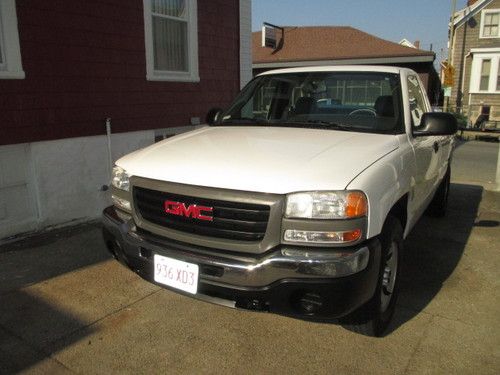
[(12, 67), (162, 75), (481, 29), (492, 54)]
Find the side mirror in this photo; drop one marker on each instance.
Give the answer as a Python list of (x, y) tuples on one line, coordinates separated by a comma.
[(436, 123), (213, 116)]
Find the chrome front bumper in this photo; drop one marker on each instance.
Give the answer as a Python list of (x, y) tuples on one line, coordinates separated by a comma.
[(220, 267)]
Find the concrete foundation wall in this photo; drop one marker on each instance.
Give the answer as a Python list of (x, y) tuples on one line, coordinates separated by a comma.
[(56, 182)]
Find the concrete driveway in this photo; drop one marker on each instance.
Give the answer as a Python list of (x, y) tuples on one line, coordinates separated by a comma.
[(65, 306)]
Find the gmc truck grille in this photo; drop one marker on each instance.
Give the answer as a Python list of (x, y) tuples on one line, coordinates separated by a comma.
[(231, 220)]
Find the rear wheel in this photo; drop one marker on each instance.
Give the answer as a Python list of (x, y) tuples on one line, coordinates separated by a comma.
[(439, 203), (373, 318)]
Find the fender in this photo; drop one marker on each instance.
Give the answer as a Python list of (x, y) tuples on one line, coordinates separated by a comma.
[(385, 182)]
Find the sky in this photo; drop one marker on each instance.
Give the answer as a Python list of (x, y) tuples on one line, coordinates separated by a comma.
[(424, 20)]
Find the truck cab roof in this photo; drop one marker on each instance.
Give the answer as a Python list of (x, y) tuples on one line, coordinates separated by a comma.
[(339, 68)]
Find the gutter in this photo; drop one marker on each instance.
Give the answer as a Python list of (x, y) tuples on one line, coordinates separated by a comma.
[(376, 60)]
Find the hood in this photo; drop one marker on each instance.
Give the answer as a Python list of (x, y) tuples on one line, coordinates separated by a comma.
[(275, 160)]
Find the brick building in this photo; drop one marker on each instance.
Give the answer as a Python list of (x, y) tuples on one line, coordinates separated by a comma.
[(476, 60), (152, 67)]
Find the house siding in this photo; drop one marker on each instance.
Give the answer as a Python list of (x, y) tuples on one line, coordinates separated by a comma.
[(467, 37), (245, 42), (85, 61)]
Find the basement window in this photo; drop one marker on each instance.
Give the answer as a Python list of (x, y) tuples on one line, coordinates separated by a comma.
[(171, 38), (10, 53)]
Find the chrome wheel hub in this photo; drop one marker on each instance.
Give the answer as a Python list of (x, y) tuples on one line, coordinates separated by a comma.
[(389, 276)]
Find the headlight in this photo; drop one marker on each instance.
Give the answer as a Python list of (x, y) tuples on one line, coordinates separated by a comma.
[(120, 179), (326, 205)]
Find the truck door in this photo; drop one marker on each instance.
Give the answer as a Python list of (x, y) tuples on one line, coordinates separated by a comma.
[(426, 149)]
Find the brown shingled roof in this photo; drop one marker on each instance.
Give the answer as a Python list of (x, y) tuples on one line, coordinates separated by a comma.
[(312, 43)]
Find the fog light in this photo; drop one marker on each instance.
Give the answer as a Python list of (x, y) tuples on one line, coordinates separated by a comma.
[(307, 236), (121, 203)]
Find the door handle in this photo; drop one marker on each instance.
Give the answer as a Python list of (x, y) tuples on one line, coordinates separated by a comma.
[(435, 146)]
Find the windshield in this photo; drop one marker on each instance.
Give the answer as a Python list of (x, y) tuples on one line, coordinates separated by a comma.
[(353, 101)]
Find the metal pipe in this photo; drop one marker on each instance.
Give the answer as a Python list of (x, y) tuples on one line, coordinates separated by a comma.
[(450, 47), (108, 135), (463, 81), (452, 32)]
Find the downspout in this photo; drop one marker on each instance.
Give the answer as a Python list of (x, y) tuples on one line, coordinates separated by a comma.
[(108, 135), (105, 186), (470, 95), (463, 75)]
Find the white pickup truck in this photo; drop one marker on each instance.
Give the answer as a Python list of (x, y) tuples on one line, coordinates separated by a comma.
[(295, 200)]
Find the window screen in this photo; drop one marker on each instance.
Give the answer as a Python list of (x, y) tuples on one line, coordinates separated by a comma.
[(170, 35)]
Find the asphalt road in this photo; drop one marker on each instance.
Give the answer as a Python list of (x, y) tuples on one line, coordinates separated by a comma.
[(66, 306), (477, 162)]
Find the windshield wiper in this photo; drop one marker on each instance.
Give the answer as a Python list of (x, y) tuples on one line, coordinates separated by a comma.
[(336, 125), (244, 120), (321, 124)]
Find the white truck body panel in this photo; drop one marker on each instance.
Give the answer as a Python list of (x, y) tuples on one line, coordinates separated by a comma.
[(275, 160), (384, 183)]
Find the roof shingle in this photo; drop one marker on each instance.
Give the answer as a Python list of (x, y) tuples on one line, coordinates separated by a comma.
[(312, 43)]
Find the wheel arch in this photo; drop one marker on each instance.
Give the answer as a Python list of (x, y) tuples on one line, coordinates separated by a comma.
[(400, 211)]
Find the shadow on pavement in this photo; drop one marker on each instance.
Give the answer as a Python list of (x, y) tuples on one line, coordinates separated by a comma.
[(48, 255), (28, 324), (487, 223), (31, 321), (433, 250)]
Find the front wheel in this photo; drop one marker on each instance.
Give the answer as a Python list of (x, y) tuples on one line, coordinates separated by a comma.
[(373, 318)]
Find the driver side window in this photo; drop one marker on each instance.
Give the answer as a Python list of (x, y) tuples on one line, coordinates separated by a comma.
[(417, 101)]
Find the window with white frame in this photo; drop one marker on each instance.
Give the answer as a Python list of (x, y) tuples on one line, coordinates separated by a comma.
[(171, 37), (490, 23), (10, 53), (485, 71)]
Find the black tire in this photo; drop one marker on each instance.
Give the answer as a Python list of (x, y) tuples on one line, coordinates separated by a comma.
[(373, 318), (439, 203)]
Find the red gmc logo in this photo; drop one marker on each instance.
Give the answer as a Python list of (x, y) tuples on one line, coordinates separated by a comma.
[(194, 211)]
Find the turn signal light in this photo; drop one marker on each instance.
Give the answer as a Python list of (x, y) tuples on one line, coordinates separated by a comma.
[(352, 235), (306, 236), (357, 204)]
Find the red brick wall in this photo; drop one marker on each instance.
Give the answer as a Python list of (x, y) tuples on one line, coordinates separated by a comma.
[(85, 61)]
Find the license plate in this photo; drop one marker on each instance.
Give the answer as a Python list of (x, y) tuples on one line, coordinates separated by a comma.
[(176, 273)]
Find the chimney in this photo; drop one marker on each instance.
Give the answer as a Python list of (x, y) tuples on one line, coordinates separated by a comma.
[(470, 2), (417, 44)]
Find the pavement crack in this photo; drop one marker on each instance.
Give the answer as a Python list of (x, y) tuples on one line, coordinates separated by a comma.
[(419, 344)]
